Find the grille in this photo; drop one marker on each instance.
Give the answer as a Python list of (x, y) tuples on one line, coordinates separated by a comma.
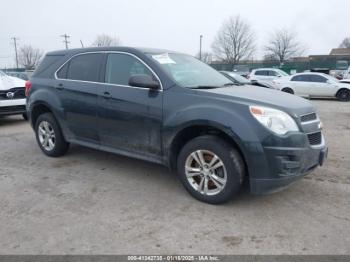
[(315, 138), (18, 93), (12, 109), (308, 117)]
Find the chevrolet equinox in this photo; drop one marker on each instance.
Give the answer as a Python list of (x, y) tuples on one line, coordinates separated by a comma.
[(170, 108)]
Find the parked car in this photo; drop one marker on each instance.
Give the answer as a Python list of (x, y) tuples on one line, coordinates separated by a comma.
[(266, 74), (12, 96), (347, 74), (314, 85), (238, 79), (345, 81), (20, 75), (172, 109)]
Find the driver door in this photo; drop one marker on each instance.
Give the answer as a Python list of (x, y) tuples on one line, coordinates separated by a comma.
[(129, 118)]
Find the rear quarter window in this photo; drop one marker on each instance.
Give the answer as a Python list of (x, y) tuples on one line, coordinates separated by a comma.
[(46, 66)]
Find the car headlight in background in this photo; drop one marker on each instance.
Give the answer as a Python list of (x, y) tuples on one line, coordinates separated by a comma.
[(275, 120)]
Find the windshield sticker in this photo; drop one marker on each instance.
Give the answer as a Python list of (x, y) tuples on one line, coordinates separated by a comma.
[(163, 59)]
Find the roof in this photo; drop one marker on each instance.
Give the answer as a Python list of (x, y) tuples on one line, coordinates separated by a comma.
[(117, 48), (340, 51)]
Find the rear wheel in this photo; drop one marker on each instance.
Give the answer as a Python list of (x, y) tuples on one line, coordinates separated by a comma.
[(343, 95), (49, 136), (210, 169), (288, 90)]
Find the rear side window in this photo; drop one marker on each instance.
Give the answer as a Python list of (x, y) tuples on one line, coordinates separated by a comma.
[(120, 67), (84, 67)]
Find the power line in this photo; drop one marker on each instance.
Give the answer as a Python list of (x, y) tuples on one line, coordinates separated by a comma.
[(66, 37), (15, 42)]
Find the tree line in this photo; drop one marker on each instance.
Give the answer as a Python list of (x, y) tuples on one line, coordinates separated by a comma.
[(235, 41)]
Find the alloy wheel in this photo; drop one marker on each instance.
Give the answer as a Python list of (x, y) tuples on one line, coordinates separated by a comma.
[(206, 172)]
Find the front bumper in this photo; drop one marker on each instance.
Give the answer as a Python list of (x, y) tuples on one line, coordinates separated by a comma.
[(12, 107), (287, 165)]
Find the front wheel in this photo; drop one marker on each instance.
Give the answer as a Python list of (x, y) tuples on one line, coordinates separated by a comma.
[(343, 95), (288, 90), (49, 136), (210, 169)]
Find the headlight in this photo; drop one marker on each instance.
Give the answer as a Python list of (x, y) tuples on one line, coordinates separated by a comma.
[(277, 121)]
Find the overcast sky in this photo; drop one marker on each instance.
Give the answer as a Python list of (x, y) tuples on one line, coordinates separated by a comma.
[(171, 24)]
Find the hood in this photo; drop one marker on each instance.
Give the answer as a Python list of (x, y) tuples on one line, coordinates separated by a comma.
[(8, 82), (252, 95)]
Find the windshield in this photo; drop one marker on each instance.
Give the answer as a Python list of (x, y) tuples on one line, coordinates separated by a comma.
[(282, 73), (188, 71), (239, 78)]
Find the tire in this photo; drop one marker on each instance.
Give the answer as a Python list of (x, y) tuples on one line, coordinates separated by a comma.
[(343, 95), (232, 170), (288, 90), (25, 116), (50, 129)]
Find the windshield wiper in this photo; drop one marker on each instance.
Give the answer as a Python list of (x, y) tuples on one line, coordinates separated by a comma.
[(232, 84), (204, 87)]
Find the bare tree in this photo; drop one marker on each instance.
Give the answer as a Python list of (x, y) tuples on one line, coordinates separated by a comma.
[(345, 43), (106, 40), (283, 45), (206, 57), (29, 57), (234, 41)]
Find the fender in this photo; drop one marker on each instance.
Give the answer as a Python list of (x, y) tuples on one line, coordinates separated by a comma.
[(230, 122)]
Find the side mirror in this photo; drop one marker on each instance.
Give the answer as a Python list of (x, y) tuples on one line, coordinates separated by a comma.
[(144, 81)]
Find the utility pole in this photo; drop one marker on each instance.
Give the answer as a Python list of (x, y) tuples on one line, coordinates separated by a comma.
[(66, 37), (15, 43), (200, 47)]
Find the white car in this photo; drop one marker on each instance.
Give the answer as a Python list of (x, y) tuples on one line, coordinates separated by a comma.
[(347, 74), (12, 96), (266, 74), (313, 85)]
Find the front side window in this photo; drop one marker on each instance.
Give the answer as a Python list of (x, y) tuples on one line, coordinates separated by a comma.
[(301, 78), (261, 73), (120, 67), (273, 73), (318, 79), (84, 67), (188, 71)]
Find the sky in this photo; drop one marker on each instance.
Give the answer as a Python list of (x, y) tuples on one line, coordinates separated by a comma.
[(170, 24)]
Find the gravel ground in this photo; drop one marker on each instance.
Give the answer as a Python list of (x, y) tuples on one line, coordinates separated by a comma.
[(91, 202)]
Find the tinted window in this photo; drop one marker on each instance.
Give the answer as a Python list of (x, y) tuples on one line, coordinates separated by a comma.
[(120, 67), (43, 70), (318, 79), (301, 78), (261, 73), (85, 67), (273, 73), (62, 73)]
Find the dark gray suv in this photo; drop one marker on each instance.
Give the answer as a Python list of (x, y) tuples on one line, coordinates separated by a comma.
[(172, 109)]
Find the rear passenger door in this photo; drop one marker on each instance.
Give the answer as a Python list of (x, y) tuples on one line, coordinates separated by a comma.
[(321, 86), (76, 85), (301, 85), (130, 118)]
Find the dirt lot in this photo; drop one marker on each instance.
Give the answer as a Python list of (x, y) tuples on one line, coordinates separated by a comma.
[(91, 202)]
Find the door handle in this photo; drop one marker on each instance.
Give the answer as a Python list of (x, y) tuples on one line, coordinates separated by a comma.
[(59, 86), (107, 95)]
